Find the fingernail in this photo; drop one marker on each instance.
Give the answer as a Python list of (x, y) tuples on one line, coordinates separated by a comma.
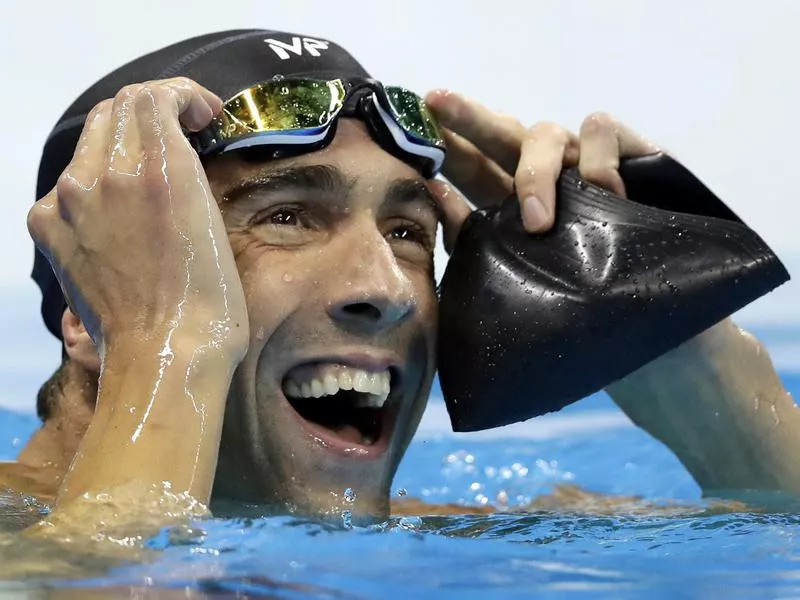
[(534, 214)]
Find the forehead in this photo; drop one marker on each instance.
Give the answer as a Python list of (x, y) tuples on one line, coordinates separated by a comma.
[(352, 151)]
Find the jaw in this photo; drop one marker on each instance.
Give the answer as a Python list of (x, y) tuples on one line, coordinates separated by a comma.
[(274, 457)]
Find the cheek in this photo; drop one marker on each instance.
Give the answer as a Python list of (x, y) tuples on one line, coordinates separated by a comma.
[(427, 304), (275, 286)]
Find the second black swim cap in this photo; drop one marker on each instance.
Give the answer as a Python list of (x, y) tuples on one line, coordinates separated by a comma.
[(529, 324), (225, 62)]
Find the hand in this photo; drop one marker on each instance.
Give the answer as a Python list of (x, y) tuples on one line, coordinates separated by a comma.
[(132, 229), (489, 155)]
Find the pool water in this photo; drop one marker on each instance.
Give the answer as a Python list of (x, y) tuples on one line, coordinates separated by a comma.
[(545, 554)]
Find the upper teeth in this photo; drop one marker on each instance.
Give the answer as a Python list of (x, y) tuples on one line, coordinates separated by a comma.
[(328, 380)]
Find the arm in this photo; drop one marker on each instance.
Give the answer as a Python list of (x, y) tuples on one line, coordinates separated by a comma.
[(149, 456), (138, 244), (718, 404), (158, 419)]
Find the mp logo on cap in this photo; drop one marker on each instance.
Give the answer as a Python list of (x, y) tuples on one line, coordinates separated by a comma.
[(297, 46)]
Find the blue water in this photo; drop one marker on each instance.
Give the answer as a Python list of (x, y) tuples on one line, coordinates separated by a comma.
[(503, 555)]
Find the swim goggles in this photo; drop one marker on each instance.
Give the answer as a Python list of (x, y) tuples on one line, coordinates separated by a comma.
[(297, 115)]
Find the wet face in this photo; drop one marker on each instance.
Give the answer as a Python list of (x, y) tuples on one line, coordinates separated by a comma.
[(335, 254)]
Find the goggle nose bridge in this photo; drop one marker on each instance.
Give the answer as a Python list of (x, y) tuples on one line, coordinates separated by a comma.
[(358, 92)]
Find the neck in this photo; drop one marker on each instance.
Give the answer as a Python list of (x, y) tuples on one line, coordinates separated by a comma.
[(54, 444)]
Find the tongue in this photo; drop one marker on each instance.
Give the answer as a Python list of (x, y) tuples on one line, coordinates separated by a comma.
[(348, 433)]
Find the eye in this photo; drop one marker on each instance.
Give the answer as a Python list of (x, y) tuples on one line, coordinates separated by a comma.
[(402, 232), (280, 216), (285, 225), (286, 217), (411, 233)]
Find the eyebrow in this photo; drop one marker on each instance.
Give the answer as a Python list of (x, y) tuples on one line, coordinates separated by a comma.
[(329, 179), (410, 190), (323, 178)]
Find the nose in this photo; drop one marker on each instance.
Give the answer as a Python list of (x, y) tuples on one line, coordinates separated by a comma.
[(370, 291)]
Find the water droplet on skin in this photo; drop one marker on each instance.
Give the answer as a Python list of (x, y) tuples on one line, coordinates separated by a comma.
[(775, 415), (288, 277)]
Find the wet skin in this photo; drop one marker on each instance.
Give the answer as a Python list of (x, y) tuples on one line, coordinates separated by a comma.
[(336, 262)]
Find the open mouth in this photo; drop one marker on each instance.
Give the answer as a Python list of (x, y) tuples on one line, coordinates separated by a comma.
[(348, 404)]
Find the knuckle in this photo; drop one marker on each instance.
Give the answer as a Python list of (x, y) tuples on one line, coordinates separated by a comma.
[(128, 91), (114, 183), (598, 122), (146, 91), (101, 107), (68, 186), (148, 95), (528, 177), (547, 129), (184, 82), (36, 220)]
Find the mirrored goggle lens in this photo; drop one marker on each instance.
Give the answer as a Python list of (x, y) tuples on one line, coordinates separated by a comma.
[(286, 106), (413, 115)]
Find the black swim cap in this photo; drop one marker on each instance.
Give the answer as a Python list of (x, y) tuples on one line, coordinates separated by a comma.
[(225, 62), (530, 323)]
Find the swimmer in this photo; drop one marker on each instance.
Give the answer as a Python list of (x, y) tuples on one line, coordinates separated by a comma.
[(252, 318)]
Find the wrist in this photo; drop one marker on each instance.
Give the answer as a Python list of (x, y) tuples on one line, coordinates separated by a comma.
[(206, 340)]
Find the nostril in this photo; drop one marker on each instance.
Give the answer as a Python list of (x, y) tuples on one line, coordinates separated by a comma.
[(362, 310)]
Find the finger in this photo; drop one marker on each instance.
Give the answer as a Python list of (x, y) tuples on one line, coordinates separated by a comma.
[(50, 233), (471, 171), (124, 145), (214, 102), (498, 136), (180, 98), (603, 142), (455, 211), (90, 151), (88, 161), (39, 218), (545, 151), (161, 109)]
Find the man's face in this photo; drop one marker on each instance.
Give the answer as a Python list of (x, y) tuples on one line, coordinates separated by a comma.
[(335, 253)]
